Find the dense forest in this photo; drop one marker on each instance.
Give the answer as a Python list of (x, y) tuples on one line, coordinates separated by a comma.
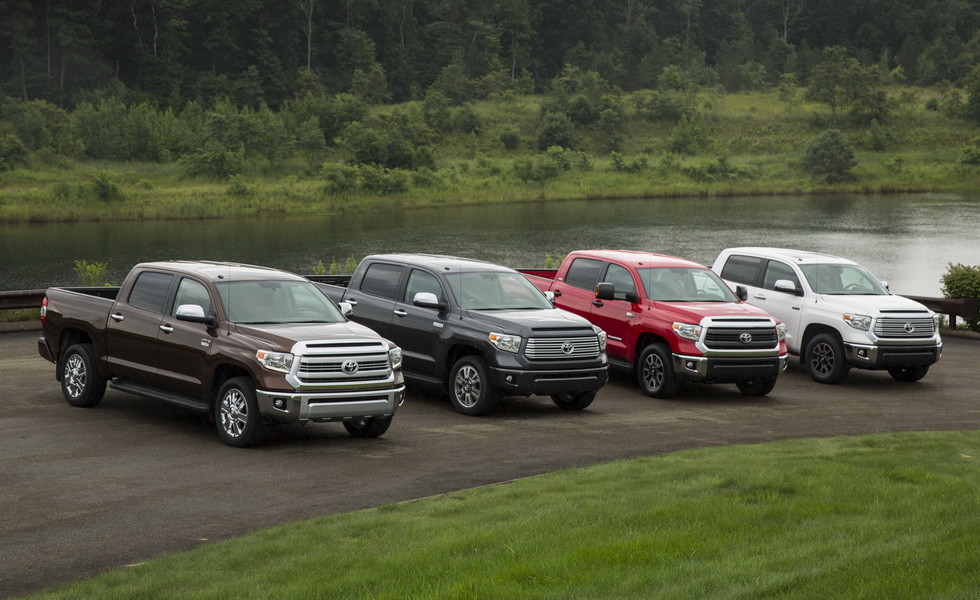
[(168, 52)]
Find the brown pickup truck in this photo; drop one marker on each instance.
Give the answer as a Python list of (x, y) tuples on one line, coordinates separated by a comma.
[(248, 346)]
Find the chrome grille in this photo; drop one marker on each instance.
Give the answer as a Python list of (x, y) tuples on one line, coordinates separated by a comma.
[(324, 363), (562, 348), (730, 338), (896, 327)]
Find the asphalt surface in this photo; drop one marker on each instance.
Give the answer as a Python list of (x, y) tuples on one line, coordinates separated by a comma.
[(87, 490)]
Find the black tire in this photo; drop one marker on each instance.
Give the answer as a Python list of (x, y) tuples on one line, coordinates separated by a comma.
[(368, 428), (81, 384), (573, 400), (469, 387), (236, 414), (824, 359), (756, 387), (908, 373), (655, 372)]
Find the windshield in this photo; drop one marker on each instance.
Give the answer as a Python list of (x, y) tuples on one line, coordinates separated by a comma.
[(677, 284), (842, 280), (267, 302), (495, 291)]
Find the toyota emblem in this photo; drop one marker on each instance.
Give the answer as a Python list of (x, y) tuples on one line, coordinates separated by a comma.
[(349, 367), (567, 348), (909, 328), (745, 338)]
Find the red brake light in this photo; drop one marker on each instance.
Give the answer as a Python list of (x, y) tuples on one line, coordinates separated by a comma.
[(44, 310)]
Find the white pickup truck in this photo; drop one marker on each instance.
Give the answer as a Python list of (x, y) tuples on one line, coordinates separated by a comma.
[(837, 315)]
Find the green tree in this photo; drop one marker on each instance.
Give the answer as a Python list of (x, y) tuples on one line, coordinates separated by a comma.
[(555, 129), (829, 157)]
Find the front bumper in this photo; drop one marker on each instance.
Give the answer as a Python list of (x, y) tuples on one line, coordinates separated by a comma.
[(728, 369), (519, 382), (289, 407), (867, 356)]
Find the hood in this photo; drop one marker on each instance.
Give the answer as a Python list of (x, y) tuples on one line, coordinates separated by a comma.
[(281, 336), (874, 305), (693, 312), (524, 322)]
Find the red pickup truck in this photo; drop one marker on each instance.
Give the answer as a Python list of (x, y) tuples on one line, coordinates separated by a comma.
[(669, 319)]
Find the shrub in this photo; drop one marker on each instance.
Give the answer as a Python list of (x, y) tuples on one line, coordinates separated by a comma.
[(92, 274), (12, 152), (971, 154), (240, 187), (398, 141), (666, 105), (319, 269), (932, 104), (214, 160), (379, 180), (829, 157), (718, 170), (877, 137), (962, 281), (104, 186), (623, 164), (555, 130), (466, 121), (341, 179), (689, 136), (510, 137)]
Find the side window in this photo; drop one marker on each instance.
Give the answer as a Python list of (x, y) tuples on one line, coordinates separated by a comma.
[(419, 282), (192, 292), (621, 279), (583, 273), (382, 280), (775, 271), (150, 291), (741, 269)]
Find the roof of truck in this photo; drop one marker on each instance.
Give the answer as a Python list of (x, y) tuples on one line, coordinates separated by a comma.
[(639, 259), (439, 261), (218, 271), (797, 256)]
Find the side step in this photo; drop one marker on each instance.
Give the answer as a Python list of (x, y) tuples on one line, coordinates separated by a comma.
[(147, 391)]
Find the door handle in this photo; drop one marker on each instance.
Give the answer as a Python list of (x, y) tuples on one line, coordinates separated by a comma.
[(117, 317), (598, 303), (759, 296), (401, 313), (167, 328), (796, 308), (352, 302)]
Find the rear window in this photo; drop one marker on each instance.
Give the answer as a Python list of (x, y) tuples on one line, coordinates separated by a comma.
[(150, 291), (741, 269), (382, 280), (583, 272)]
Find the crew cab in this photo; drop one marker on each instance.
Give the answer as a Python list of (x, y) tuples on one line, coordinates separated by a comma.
[(248, 346), (668, 319), (837, 315), (479, 329)]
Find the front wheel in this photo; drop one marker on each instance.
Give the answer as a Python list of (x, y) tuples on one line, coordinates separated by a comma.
[(81, 384), (824, 359), (573, 400), (238, 418), (756, 387), (469, 387), (368, 428), (912, 373), (655, 372)]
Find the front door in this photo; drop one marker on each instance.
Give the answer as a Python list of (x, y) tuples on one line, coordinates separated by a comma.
[(185, 348), (418, 329)]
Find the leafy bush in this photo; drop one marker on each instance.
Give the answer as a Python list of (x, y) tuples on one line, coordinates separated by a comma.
[(92, 274), (623, 164), (510, 137), (104, 186), (971, 154), (556, 129), (240, 187), (341, 179), (466, 121), (379, 180), (877, 137), (12, 152), (829, 157), (668, 105), (689, 136), (214, 160), (398, 141), (717, 170), (962, 281)]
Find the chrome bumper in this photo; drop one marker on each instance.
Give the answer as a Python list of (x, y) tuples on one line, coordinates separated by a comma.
[(289, 407)]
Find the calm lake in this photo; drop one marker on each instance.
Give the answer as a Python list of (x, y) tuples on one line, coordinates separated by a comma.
[(906, 240)]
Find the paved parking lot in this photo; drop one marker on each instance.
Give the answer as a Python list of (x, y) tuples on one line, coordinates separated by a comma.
[(86, 490)]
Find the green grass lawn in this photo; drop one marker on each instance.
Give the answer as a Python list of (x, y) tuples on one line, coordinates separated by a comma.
[(882, 516)]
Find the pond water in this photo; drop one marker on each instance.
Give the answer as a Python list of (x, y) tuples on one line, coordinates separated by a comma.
[(906, 240)]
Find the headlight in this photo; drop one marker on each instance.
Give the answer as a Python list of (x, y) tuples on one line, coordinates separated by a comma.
[(508, 343), (395, 356), (688, 331), (781, 331), (602, 338), (275, 361), (862, 322)]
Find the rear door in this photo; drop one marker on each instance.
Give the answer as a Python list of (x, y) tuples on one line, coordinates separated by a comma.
[(374, 298), (746, 271), (133, 327), (578, 288)]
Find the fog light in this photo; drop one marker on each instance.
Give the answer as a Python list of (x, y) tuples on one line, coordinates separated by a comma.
[(279, 403), (863, 353), (690, 365), (510, 379)]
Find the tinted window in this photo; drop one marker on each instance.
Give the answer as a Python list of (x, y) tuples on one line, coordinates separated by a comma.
[(150, 291), (682, 284), (775, 271), (419, 282), (621, 279), (583, 273), (192, 292), (741, 269), (382, 280)]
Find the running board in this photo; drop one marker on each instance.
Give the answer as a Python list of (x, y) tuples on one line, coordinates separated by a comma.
[(147, 391)]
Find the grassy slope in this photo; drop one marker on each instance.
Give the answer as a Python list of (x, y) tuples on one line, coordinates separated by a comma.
[(884, 516), (755, 131)]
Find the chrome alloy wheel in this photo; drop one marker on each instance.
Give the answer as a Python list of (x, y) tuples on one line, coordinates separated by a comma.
[(822, 359), (467, 386), (75, 376), (653, 371), (234, 413)]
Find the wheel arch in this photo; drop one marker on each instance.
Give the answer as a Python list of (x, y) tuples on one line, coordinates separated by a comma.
[(456, 352), (68, 338), (814, 329), (646, 338)]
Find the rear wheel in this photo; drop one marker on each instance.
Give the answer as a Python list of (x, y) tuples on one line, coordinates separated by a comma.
[(655, 372), (910, 373), (368, 428), (81, 384), (756, 387), (469, 387), (573, 400), (238, 419), (824, 359)]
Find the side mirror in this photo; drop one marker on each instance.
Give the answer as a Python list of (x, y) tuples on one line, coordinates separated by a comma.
[(884, 284), (741, 293), (550, 297), (788, 287), (428, 300), (346, 309), (605, 291), (632, 297), (194, 313)]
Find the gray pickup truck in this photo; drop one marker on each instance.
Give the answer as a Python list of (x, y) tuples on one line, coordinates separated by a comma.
[(479, 329), (248, 346)]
